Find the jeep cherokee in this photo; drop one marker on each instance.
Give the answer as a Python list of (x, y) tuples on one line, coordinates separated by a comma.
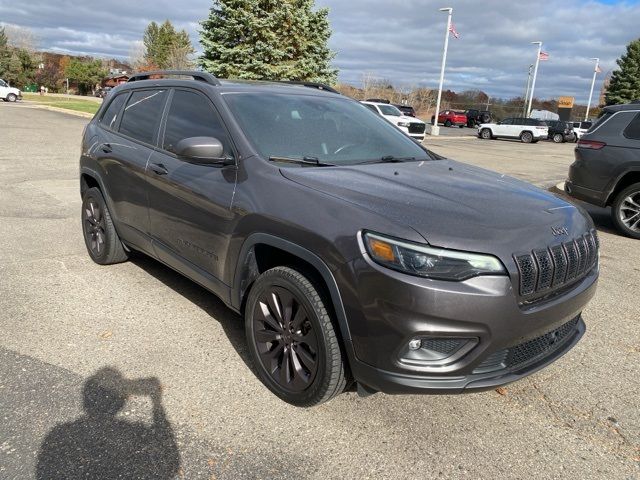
[(358, 259)]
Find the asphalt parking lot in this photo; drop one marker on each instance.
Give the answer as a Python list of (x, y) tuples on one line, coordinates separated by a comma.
[(64, 319)]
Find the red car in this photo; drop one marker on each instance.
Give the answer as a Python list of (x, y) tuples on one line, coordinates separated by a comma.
[(451, 117)]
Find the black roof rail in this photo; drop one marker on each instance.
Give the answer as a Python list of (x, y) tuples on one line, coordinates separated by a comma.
[(196, 75), (316, 85)]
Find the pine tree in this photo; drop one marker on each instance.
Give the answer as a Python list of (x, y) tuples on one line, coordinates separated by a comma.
[(165, 46), (625, 82), (267, 40)]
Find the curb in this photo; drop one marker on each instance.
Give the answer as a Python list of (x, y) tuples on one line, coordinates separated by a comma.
[(62, 110)]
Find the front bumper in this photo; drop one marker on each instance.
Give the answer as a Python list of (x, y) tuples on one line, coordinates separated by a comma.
[(387, 309), (377, 379)]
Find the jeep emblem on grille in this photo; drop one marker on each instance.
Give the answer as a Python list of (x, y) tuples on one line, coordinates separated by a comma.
[(557, 231)]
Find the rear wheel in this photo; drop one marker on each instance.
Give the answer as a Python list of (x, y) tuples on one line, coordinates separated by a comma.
[(461, 126), (12, 97), (485, 133), (447, 123), (526, 137), (100, 236), (558, 138), (292, 340), (625, 211)]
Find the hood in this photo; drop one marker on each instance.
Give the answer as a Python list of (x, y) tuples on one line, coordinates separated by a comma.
[(451, 204), (404, 118)]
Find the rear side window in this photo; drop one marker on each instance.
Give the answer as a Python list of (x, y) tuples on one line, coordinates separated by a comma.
[(112, 114), (142, 114), (192, 115), (633, 129), (371, 107)]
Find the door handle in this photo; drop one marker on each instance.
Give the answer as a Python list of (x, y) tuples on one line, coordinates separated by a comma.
[(106, 148), (159, 169)]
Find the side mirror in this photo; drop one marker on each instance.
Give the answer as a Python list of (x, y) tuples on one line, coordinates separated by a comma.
[(203, 150)]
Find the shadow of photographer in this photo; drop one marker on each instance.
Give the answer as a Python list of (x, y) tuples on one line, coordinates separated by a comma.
[(99, 445)]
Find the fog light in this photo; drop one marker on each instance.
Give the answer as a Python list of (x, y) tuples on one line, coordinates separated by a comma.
[(415, 344)]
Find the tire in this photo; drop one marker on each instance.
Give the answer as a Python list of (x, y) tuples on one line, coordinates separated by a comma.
[(100, 236), (301, 372), (485, 134), (526, 137), (12, 97), (460, 126), (447, 123), (625, 211), (558, 138)]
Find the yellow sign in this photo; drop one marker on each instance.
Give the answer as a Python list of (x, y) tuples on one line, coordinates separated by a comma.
[(565, 102)]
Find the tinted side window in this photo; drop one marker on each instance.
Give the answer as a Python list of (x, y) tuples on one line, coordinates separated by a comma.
[(191, 115), (142, 114), (371, 107), (633, 129), (112, 114), (507, 121)]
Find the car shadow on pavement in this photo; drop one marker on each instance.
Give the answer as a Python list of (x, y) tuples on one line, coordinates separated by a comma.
[(102, 445), (231, 322)]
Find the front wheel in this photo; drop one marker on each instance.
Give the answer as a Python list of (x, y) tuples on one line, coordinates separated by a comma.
[(558, 138), (625, 211), (485, 133), (12, 97), (292, 340), (526, 137), (447, 123)]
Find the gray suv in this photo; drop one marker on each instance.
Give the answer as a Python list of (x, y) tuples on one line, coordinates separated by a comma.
[(606, 171), (358, 259)]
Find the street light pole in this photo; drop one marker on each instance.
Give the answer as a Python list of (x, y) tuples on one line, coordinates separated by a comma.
[(435, 130), (593, 82), (535, 74)]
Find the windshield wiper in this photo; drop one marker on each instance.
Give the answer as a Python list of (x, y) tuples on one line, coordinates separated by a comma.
[(302, 161), (389, 159)]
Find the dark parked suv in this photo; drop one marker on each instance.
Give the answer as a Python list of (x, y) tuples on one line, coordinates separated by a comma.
[(358, 259), (606, 171)]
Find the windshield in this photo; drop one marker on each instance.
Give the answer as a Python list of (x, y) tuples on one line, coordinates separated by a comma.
[(390, 110), (332, 130)]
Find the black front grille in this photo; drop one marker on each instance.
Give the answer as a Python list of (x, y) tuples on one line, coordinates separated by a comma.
[(529, 351), (545, 270), (415, 127)]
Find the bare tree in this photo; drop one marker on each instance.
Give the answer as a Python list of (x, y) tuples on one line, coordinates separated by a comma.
[(180, 57), (137, 56), (21, 37)]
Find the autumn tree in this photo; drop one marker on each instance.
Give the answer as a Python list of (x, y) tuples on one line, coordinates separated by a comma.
[(167, 48)]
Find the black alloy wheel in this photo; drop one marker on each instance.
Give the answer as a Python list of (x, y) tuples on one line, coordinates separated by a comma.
[(292, 340), (100, 236), (285, 339)]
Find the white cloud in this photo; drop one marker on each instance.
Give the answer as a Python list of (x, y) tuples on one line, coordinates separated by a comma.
[(400, 40)]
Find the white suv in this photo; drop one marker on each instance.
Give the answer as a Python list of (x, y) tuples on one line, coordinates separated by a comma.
[(410, 125), (528, 130), (9, 94)]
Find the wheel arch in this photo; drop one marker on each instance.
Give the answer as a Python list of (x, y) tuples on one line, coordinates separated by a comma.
[(261, 252), (628, 178)]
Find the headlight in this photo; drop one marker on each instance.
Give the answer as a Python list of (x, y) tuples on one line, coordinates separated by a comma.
[(430, 262), (404, 124)]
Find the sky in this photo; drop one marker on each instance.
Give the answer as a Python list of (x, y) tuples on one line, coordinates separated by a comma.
[(398, 40)]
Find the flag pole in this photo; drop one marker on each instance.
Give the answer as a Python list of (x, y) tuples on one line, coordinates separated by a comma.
[(593, 82), (526, 92), (535, 74), (435, 130)]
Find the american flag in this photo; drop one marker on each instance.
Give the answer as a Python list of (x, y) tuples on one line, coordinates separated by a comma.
[(452, 30), (544, 56)]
